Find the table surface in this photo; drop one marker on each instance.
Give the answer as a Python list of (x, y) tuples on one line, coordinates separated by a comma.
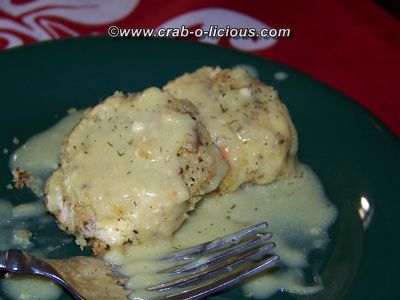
[(350, 45)]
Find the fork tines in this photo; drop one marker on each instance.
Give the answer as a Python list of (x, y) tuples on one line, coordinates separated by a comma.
[(216, 265)]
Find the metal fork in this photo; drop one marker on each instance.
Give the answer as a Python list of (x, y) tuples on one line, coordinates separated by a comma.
[(196, 272)]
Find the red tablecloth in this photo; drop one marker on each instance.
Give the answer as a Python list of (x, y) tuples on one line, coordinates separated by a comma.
[(352, 45)]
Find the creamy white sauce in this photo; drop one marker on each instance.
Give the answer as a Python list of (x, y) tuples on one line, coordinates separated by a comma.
[(106, 188), (16, 223), (298, 214), (296, 209), (280, 76), (246, 120), (250, 69), (39, 154), (23, 287)]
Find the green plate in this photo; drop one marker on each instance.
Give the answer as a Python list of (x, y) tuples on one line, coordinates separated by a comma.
[(353, 153)]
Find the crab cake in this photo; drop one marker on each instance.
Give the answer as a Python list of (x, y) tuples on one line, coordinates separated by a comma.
[(246, 120), (131, 170)]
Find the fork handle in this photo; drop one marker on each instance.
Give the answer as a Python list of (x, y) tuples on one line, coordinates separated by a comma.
[(20, 262), (15, 261)]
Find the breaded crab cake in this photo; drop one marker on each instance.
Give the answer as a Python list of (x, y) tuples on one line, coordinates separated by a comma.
[(131, 169), (246, 120)]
